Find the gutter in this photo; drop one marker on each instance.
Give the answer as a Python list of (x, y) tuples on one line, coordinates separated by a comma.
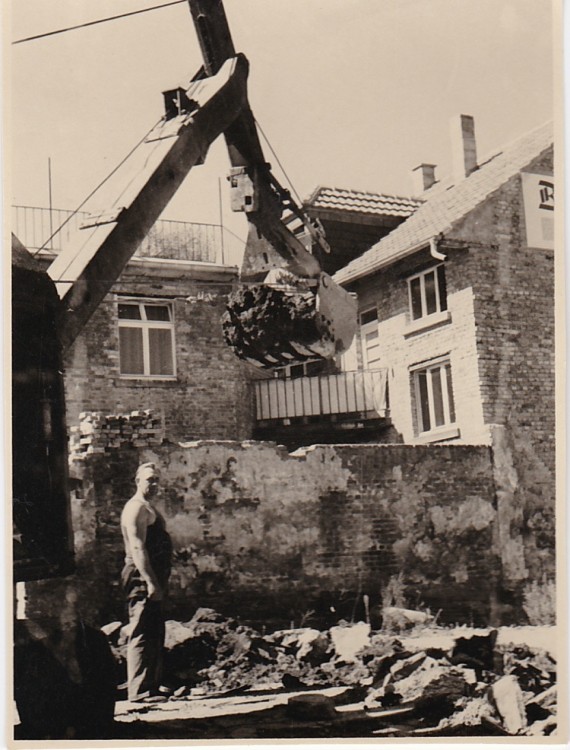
[(432, 243)]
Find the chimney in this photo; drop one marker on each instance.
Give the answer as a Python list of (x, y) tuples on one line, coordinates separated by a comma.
[(463, 146), (423, 177)]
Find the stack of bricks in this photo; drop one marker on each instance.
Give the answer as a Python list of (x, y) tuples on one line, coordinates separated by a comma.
[(100, 433)]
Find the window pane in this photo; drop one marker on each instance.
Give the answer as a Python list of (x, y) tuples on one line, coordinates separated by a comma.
[(431, 302), (129, 312), (424, 408), (437, 397), (160, 350), (157, 312), (131, 351), (416, 298), (314, 368), (450, 394), (369, 316), (371, 336), (442, 288)]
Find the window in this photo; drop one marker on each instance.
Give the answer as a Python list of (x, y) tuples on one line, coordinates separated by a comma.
[(370, 338), (434, 396), (308, 369), (146, 339), (427, 292)]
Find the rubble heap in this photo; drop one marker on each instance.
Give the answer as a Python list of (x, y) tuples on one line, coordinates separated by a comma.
[(397, 685), (101, 433)]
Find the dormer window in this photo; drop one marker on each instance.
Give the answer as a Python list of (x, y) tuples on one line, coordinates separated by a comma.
[(427, 292)]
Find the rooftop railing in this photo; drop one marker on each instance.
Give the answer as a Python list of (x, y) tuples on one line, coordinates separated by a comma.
[(177, 240)]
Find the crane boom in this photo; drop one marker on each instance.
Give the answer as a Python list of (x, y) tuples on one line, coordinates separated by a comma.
[(280, 233), (87, 266)]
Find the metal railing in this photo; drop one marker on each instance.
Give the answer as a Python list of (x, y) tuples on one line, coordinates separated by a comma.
[(178, 240), (358, 391)]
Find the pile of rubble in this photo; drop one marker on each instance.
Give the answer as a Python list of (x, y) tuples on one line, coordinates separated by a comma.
[(101, 433), (437, 682)]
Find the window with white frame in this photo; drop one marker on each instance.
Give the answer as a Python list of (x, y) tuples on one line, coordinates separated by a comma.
[(427, 292), (370, 338), (146, 339), (434, 396)]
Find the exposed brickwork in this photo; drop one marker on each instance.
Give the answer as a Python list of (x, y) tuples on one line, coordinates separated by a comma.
[(262, 533), (500, 342), (210, 396)]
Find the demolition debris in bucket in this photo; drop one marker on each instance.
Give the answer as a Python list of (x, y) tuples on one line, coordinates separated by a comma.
[(270, 326)]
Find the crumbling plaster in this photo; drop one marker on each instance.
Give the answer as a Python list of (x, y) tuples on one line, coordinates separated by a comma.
[(269, 535)]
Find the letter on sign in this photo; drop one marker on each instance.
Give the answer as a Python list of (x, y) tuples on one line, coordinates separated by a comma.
[(538, 194)]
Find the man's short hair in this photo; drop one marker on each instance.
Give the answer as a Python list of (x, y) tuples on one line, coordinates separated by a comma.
[(143, 468)]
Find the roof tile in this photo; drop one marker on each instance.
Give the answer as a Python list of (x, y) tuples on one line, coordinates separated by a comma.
[(446, 203), (362, 202)]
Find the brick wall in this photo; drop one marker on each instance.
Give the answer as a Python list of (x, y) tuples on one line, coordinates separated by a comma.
[(210, 397), (402, 347), (500, 341), (269, 535)]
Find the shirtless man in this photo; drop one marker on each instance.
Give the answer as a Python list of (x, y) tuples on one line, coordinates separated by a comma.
[(148, 552)]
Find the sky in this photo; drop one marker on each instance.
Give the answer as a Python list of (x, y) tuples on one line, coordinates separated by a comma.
[(350, 93)]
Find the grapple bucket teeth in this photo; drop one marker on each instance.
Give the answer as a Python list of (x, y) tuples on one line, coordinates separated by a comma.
[(272, 327)]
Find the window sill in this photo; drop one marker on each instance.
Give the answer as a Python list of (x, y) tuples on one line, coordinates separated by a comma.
[(145, 381), (436, 436), (430, 321)]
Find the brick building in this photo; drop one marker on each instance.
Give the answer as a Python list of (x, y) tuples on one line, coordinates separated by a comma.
[(456, 323), (457, 306), (156, 341), (457, 303)]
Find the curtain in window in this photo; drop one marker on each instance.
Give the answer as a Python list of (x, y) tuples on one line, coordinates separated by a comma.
[(131, 351), (160, 349)]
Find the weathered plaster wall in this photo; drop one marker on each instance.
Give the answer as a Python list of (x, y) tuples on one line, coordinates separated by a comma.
[(269, 536)]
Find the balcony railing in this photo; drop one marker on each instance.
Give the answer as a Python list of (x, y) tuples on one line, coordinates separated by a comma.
[(178, 240), (342, 394)]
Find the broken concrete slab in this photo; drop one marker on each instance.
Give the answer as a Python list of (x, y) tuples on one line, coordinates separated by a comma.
[(397, 619), (404, 667), (348, 640), (509, 702), (308, 644)]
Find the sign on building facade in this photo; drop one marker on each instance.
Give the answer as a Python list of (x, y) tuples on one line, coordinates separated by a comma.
[(538, 196)]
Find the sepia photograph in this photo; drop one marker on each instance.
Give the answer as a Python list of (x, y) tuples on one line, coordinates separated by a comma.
[(284, 371)]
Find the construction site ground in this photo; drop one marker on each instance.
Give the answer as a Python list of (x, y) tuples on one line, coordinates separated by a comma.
[(276, 710)]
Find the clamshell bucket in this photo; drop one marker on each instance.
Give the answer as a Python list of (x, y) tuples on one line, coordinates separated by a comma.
[(274, 326)]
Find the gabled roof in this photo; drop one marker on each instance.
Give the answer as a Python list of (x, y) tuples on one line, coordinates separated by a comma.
[(361, 202), (446, 204)]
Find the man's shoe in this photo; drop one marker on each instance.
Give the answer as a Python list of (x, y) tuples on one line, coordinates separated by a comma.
[(155, 698)]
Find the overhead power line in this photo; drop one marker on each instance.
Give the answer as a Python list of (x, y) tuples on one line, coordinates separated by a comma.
[(100, 20)]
